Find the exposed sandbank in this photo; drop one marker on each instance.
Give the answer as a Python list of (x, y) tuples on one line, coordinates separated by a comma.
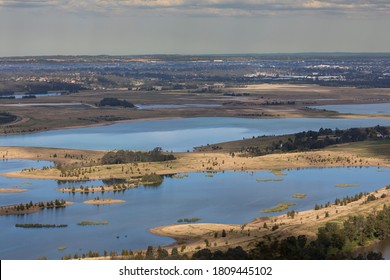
[(7, 190), (103, 201)]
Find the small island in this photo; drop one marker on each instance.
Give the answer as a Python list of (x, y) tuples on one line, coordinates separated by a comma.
[(8, 190), (40, 226), (347, 185), (29, 208), (91, 223), (102, 189), (299, 195), (98, 201)]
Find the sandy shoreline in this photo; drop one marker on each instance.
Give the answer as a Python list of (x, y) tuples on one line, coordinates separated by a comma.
[(204, 162)]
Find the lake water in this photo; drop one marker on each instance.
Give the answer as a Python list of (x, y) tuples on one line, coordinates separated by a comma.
[(37, 95), (227, 197), (178, 134), (380, 108)]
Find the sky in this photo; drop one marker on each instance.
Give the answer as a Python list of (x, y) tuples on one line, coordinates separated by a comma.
[(136, 27)]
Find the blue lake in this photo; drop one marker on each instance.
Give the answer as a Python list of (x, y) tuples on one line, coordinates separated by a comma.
[(380, 108), (37, 95), (178, 134), (227, 197)]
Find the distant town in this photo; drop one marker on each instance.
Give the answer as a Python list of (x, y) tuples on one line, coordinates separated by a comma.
[(37, 75)]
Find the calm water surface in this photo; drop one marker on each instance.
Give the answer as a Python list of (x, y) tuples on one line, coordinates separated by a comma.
[(380, 108), (177, 134), (227, 197), (20, 96)]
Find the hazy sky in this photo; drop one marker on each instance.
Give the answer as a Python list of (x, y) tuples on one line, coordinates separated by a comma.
[(50, 27)]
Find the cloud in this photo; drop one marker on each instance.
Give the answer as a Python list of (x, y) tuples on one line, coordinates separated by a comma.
[(211, 7)]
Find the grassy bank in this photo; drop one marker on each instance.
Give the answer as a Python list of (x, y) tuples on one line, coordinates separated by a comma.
[(89, 168)]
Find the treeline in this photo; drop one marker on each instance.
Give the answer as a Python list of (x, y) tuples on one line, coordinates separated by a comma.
[(360, 229), (123, 156), (109, 101), (343, 201), (7, 118), (309, 140), (325, 137), (53, 86), (27, 208), (49, 204), (150, 254), (40, 87)]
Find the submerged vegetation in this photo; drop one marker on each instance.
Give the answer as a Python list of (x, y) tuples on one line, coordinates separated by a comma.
[(180, 176), (90, 223), (299, 195), (347, 185), (39, 226), (278, 172), (261, 180)]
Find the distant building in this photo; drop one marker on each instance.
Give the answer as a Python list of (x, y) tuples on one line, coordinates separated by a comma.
[(218, 85), (157, 88)]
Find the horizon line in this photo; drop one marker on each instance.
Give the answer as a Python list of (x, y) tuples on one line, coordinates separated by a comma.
[(338, 53)]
